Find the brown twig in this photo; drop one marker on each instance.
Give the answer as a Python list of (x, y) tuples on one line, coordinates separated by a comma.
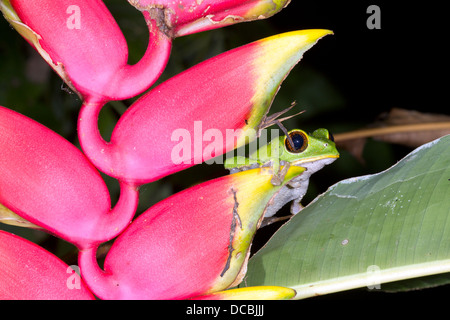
[(373, 132)]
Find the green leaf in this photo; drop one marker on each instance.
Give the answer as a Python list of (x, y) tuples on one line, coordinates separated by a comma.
[(366, 231)]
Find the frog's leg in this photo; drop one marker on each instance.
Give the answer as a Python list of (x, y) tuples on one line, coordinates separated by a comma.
[(236, 164), (296, 206), (301, 186), (278, 175), (241, 161)]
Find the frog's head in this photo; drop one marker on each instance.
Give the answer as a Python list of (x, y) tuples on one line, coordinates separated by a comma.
[(312, 151)]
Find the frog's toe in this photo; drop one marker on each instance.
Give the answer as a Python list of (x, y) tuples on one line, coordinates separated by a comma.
[(296, 207), (276, 180)]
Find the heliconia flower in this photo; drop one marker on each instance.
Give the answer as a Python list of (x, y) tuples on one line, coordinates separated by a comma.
[(227, 95), (28, 272), (82, 42), (50, 183), (178, 18), (194, 243)]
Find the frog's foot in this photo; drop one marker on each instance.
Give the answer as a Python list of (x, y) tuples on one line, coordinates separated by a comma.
[(273, 119), (296, 207), (277, 179)]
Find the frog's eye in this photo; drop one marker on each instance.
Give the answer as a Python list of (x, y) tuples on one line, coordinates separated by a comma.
[(299, 140), (330, 136), (323, 134)]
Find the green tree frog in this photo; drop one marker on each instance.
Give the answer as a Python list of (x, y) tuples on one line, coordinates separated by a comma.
[(297, 148)]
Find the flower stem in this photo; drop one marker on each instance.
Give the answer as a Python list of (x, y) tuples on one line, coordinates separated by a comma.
[(138, 77), (94, 146), (101, 283), (123, 212)]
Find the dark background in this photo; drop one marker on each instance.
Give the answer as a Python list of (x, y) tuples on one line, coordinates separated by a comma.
[(344, 83)]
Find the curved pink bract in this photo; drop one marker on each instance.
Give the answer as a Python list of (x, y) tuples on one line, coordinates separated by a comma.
[(49, 182), (193, 243), (31, 273), (231, 92), (83, 40)]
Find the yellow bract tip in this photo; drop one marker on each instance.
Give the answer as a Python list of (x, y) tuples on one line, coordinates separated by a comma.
[(274, 59), (254, 293), (281, 52)]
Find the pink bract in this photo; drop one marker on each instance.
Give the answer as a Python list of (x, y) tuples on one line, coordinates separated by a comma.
[(231, 92), (30, 272), (183, 17), (83, 43), (49, 182), (193, 243)]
